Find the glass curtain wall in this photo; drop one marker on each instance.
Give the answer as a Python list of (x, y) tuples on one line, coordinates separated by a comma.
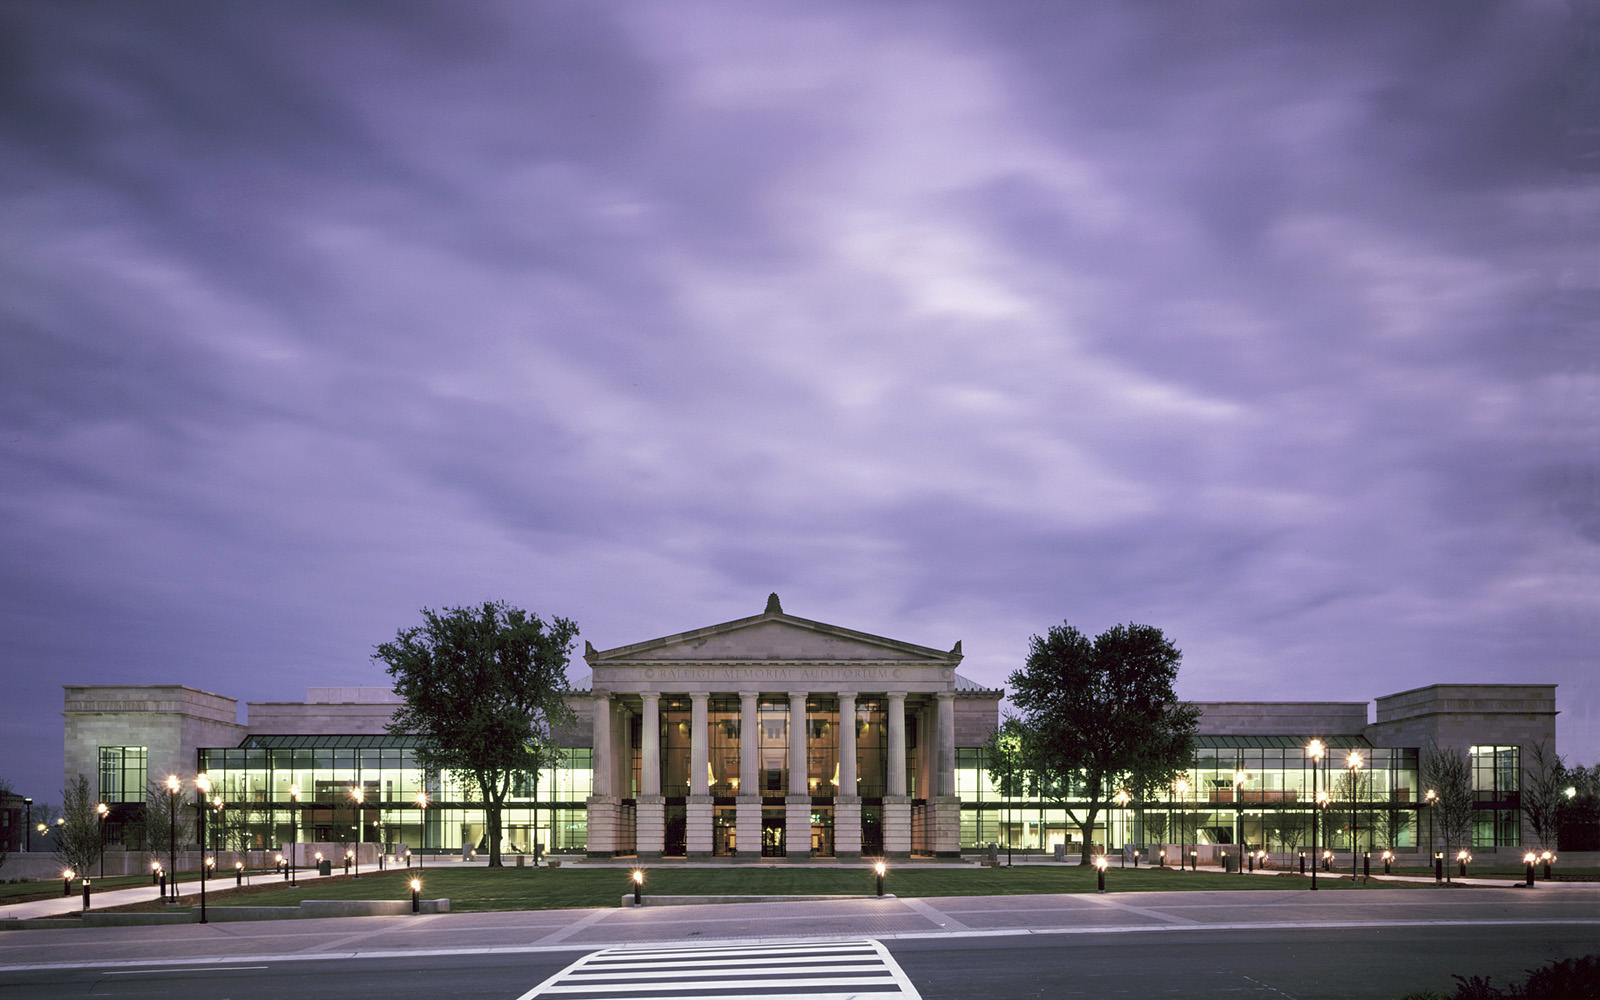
[(1251, 790), (259, 812)]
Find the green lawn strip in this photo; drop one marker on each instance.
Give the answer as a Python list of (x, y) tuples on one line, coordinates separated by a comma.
[(22, 892), (480, 889)]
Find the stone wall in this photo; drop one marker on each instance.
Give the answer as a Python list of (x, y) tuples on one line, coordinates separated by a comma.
[(1463, 715), (1282, 718), (173, 721)]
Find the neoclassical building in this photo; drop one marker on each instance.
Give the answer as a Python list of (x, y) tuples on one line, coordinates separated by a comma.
[(779, 735)]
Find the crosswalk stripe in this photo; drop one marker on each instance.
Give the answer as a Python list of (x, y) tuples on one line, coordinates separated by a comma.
[(859, 970)]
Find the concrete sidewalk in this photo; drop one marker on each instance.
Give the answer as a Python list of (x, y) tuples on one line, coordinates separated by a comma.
[(216, 885)]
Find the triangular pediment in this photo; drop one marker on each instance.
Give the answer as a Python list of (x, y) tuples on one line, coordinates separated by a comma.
[(774, 637)]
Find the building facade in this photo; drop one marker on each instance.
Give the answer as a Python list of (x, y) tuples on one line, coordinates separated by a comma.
[(777, 736)]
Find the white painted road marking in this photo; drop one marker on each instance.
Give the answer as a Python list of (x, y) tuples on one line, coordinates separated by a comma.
[(860, 970)]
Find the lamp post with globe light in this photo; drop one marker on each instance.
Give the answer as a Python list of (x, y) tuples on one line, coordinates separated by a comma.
[(1354, 762), (422, 825), (174, 786), (294, 828), (1315, 749), (100, 812)]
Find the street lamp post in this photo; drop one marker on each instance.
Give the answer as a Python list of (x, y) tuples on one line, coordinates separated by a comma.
[(356, 797), (1354, 762), (100, 811), (1183, 840), (1315, 749), (294, 828), (202, 791), (1239, 779), (1122, 798), (173, 787), (422, 825)]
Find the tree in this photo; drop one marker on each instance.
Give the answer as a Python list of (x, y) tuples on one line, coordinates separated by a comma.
[(1448, 775), (78, 839), (1098, 717), (483, 688), (1542, 788), (164, 815)]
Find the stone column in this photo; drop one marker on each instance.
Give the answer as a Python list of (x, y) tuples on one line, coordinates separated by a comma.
[(897, 804), (747, 817), (944, 781), (897, 743), (797, 815), (602, 836), (945, 835), (651, 816), (697, 835), (847, 801)]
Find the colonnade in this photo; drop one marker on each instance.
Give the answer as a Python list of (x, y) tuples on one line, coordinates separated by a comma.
[(616, 803)]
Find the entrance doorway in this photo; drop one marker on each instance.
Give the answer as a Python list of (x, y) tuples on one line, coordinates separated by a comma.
[(821, 831), (772, 823)]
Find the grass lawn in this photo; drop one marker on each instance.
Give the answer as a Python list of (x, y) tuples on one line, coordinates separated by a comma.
[(478, 889), (18, 892)]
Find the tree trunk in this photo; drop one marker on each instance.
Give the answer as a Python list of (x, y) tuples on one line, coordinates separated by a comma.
[(1086, 827)]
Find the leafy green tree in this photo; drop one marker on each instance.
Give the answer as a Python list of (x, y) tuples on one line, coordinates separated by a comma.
[(1100, 716), (484, 687)]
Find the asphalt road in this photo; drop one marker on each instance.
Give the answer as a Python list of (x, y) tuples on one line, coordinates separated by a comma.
[(1311, 964), (1278, 946)]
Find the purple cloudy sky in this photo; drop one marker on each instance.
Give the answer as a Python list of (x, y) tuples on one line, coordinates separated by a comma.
[(1272, 325)]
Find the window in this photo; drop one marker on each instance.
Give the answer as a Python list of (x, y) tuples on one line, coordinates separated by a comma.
[(122, 774)]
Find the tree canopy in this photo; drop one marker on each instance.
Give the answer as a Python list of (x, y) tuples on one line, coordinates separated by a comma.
[(484, 688), (1100, 716)]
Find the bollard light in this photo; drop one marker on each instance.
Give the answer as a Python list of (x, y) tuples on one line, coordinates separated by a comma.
[(238, 873), (1194, 861), (1135, 859), (66, 881), (86, 892), (879, 868), (155, 872), (638, 884), (1388, 859), (1528, 860), (1547, 857), (1327, 861), (1100, 874), (1462, 857), (416, 895), (1303, 865), (1366, 865), (348, 854), (1438, 867), (408, 857)]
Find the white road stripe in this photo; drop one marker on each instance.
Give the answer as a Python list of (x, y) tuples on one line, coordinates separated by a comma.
[(854, 969)]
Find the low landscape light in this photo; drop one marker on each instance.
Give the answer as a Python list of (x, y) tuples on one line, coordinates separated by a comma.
[(416, 895), (879, 868), (638, 885), (1528, 859), (1100, 863), (66, 881)]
